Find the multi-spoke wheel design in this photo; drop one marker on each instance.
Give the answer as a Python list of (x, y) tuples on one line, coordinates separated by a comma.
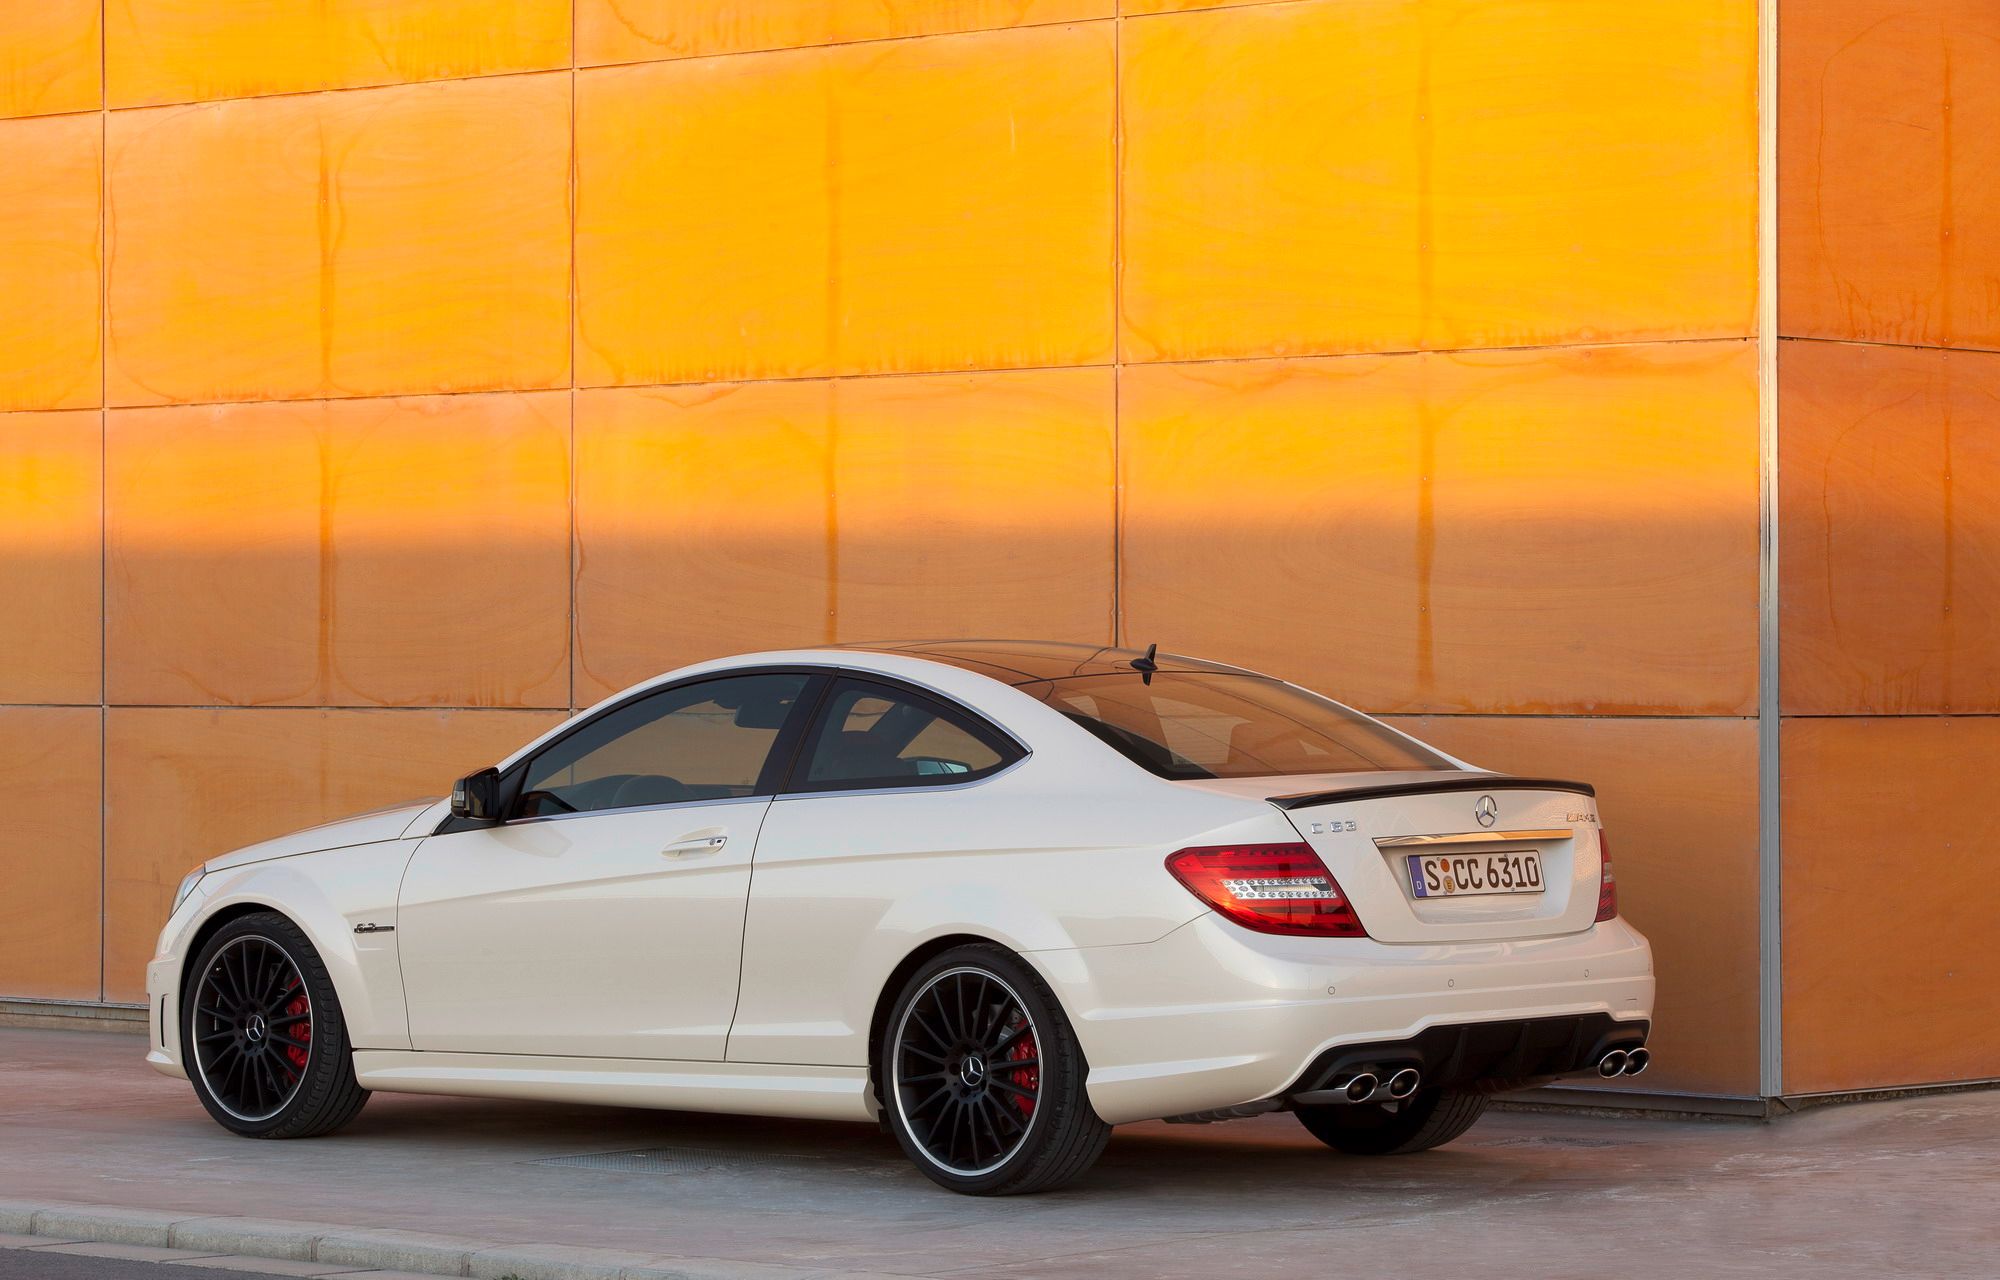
[(262, 1035), (967, 1074), (982, 1077), (253, 1025)]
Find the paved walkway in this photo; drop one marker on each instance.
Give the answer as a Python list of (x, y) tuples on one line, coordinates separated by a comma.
[(1906, 1188)]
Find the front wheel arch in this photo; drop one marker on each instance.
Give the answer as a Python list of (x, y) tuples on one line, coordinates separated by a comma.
[(323, 1093), (196, 941)]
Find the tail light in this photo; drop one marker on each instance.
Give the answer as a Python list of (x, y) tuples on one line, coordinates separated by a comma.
[(1271, 888), (1607, 883)]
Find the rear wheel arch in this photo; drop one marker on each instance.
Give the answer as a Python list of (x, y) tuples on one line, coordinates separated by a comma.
[(892, 987), (1022, 1124)]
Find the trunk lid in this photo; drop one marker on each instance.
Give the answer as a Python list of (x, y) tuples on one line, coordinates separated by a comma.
[(1367, 828)]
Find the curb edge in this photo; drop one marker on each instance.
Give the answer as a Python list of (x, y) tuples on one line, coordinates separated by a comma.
[(387, 1250)]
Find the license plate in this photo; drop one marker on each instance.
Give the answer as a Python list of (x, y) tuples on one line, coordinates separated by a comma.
[(1466, 875)]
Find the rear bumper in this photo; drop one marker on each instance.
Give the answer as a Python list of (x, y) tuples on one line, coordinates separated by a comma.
[(1479, 1055), (1214, 1016)]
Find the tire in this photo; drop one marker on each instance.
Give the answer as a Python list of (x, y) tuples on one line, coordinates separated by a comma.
[(1430, 1119), (262, 1036), (1022, 1125)]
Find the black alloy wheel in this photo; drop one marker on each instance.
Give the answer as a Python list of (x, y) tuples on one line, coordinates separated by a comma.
[(262, 1036), (253, 1026), (967, 1078), (984, 1080)]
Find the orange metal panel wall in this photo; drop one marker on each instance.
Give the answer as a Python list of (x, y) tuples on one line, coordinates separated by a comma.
[(1891, 965), (159, 51), (1889, 420), (642, 30), (1889, 473), (1570, 530), (49, 57), (384, 552), (1436, 175), (943, 203), (51, 554), (51, 236), (467, 361), (1887, 198), (49, 915), (401, 240)]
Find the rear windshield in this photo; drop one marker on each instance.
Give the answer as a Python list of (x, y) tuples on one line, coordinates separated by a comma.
[(1210, 725)]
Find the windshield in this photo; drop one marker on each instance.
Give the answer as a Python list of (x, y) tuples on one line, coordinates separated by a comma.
[(1211, 725)]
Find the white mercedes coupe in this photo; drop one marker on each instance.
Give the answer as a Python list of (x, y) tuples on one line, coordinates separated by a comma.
[(998, 895)]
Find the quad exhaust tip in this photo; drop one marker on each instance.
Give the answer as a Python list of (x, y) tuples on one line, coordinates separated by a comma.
[(1366, 1086), (1363, 1087), (1403, 1083), (1625, 1062)]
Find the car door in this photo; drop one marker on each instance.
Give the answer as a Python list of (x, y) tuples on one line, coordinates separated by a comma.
[(887, 805), (604, 916)]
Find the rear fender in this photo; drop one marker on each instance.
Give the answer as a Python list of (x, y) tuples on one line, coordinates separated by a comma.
[(1063, 909)]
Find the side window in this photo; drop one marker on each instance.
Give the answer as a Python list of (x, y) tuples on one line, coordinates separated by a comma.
[(705, 741), (875, 736)]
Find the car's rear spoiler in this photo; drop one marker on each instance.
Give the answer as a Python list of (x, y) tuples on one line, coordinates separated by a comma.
[(1457, 782)]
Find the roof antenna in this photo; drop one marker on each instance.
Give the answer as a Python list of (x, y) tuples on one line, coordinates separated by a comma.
[(1145, 665)]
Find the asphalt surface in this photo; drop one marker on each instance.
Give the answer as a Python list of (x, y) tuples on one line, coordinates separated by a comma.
[(1906, 1188), (40, 1264)]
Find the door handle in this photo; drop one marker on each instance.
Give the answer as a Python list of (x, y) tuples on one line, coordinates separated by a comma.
[(695, 844)]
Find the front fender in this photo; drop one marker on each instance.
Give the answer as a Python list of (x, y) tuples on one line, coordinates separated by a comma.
[(326, 895)]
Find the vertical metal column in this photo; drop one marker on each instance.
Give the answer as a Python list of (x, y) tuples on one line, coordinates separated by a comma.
[(1770, 777)]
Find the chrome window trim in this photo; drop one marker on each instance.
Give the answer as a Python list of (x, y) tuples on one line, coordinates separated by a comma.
[(637, 808), (950, 701), (995, 776)]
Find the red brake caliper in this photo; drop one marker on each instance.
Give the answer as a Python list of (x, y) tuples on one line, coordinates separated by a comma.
[(300, 1031), (1024, 1077)]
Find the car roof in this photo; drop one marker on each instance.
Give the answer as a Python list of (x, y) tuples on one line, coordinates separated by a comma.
[(1019, 662)]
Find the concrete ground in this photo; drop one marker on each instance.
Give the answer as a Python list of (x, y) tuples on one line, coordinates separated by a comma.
[(1906, 1188), (67, 1262)]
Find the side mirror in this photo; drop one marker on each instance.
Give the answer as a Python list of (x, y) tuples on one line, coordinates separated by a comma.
[(477, 796)]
